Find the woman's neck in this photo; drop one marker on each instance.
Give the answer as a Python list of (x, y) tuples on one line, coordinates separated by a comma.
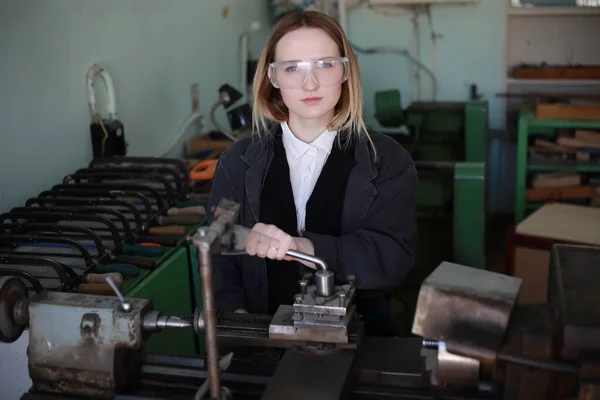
[(308, 130)]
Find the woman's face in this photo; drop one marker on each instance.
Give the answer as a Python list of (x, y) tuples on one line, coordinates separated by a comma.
[(309, 90)]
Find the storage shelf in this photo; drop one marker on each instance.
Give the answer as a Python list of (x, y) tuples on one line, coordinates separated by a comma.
[(528, 124), (541, 11), (572, 166), (552, 82)]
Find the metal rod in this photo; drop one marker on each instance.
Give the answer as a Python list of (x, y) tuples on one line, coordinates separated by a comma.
[(307, 257), (210, 330), (125, 306), (541, 364)]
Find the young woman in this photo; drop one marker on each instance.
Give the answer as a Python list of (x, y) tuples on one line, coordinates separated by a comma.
[(313, 179)]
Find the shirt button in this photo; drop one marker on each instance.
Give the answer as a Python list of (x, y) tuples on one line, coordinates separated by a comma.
[(306, 179)]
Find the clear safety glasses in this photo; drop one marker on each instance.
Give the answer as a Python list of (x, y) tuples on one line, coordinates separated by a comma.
[(296, 74)]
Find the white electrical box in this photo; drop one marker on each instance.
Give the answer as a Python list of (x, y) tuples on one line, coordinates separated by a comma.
[(418, 2)]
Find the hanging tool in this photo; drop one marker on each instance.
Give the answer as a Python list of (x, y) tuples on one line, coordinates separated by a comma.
[(108, 135)]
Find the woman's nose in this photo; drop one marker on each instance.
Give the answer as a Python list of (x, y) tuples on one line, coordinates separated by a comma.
[(310, 83)]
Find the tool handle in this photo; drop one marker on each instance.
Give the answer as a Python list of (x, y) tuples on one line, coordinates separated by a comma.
[(307, 257), (143, 251), (101, 278), (192, 203), (196, 210), (96, 288), (168, 241), (182, 219), (172, 230), (123, 269), (140, 262)]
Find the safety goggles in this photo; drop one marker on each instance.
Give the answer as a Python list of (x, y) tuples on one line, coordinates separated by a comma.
[(296, 74)]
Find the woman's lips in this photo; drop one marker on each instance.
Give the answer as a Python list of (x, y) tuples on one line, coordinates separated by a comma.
[(312, 100)]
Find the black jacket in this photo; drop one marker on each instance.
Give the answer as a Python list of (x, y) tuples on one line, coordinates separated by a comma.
[(378, 220)]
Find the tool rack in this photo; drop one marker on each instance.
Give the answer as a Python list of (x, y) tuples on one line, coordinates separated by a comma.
[(529, 124), (125, 217)]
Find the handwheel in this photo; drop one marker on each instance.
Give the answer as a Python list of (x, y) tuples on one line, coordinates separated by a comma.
[(11, 290)]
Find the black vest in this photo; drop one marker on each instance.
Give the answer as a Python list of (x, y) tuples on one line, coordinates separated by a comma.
[(323, 212)]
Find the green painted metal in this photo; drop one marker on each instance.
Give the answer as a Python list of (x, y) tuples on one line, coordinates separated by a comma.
[(469, 214), (196, 290), (529, 124), (388, 108), (476, 131), (169, 288)]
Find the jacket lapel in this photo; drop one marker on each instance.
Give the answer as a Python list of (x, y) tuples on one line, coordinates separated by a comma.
[(258, 156), (360, 191)]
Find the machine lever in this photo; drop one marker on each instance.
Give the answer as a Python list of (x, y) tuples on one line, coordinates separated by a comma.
[(125, 306)]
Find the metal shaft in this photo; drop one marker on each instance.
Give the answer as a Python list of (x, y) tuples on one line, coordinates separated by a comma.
[(210, 330), (307, 257)]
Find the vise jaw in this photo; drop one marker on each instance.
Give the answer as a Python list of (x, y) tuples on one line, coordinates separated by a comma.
[(84, 345)]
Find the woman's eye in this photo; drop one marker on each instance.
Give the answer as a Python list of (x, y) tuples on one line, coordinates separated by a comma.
[(290, 69)]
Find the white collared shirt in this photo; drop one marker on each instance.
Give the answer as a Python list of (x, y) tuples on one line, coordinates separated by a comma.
[(305, 161)]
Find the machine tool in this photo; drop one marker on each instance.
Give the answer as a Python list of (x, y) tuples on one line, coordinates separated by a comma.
[(473, 341)]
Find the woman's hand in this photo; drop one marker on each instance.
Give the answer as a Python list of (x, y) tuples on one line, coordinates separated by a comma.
[(268, 241)]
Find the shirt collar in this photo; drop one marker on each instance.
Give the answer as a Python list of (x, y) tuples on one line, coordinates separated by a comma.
[(297, 147)]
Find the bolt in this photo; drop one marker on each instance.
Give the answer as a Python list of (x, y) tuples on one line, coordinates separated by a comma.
[(342, 299), (299, 299), (430, 344), (303, 285), (320, 301)]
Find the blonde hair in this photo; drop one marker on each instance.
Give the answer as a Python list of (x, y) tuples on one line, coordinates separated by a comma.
[(268, 103)]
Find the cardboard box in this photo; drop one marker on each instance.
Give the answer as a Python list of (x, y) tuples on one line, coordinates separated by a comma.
[(532, 240)]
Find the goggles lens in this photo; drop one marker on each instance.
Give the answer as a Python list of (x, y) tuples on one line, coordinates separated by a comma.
[(295, 74)]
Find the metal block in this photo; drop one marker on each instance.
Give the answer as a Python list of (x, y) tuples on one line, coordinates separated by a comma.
[(337, 304), (84, 345), (465, 305), (573, 294), (283, 326)]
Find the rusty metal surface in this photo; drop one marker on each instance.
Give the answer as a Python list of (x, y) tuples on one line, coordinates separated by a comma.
[(454, 370), (209, 240), (83, 345), (574, 294), (463, 304)]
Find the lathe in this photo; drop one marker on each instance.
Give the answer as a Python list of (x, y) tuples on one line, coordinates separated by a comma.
[(472, 340)]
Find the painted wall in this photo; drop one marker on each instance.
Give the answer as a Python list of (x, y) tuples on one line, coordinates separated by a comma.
[(469, 51), (154, 49)]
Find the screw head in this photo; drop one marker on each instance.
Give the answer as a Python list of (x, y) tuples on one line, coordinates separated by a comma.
[(351, 279)]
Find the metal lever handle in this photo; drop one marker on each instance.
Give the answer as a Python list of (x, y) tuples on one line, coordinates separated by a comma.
[(307, 257), (125, 306)]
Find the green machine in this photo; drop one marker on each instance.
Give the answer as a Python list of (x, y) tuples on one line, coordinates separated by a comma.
[(448, 141), (174, 288)]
